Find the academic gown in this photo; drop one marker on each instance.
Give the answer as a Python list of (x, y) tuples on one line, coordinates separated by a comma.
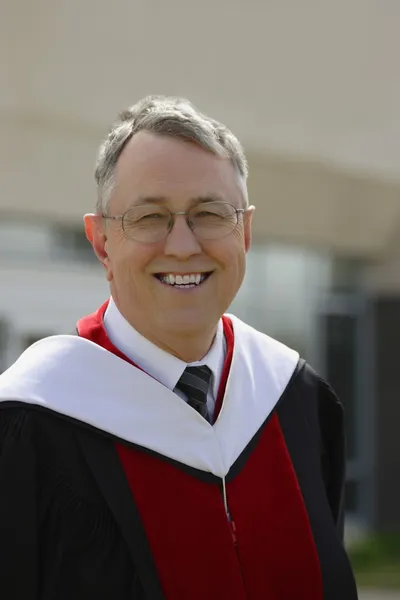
[(113, 488)]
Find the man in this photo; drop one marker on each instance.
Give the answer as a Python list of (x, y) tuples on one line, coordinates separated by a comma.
[(170, 451)]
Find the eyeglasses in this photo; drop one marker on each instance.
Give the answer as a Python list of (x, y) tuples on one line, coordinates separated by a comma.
[(149, 223)]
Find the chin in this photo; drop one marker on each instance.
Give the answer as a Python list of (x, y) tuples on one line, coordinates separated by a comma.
[(188, 322)]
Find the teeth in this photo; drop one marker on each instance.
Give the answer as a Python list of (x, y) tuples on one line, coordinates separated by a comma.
[(192, 279)]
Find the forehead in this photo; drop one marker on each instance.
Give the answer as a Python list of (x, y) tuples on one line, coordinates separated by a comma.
[(161, 166)]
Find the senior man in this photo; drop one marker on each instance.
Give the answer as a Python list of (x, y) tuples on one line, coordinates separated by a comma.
[(169, 450)]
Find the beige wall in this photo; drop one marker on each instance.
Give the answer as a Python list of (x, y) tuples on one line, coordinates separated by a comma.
[(311, 88), (309, 203)]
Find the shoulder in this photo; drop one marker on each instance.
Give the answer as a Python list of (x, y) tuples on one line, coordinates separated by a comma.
[(313, 400), (285, 363), (267, 361), (310, 384), (304, 379), (257, 340)]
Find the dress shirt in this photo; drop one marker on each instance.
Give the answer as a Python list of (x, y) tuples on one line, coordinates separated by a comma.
[(158, 363)]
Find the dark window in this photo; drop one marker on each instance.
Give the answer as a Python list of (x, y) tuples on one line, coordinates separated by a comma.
[(351, 496), (345, 274), (341, 367), (71, 243)]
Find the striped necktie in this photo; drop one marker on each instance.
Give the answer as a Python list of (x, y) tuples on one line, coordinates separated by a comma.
[(194, 383)]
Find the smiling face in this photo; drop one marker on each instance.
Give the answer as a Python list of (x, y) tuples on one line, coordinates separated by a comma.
[(177, 174)]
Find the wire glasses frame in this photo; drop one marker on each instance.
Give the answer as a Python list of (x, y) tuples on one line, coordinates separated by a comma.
[(149, 224)]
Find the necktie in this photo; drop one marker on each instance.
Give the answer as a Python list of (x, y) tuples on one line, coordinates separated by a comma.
[(194, 383)]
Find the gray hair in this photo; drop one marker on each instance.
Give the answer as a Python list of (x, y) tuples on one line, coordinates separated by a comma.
[(172, 116)]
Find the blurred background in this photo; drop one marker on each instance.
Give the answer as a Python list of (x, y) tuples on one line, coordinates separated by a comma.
[(312, 89)]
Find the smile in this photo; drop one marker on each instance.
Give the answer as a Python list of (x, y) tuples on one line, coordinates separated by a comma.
[(183, 281)]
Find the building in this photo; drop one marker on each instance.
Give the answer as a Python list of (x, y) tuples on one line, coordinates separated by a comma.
[(311, 90)]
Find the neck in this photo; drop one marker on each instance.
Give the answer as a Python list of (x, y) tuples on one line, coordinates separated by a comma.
[(188, 346)]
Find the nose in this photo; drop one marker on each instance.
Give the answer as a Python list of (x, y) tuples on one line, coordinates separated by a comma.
[(181, 241)]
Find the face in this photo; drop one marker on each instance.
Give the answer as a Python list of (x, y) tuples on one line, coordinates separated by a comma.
[(176, 173)]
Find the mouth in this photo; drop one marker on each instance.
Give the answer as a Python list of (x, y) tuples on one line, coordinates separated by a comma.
[(183, 280)]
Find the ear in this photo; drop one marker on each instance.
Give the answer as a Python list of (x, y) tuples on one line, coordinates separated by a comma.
[(97, 236), (247, 225)]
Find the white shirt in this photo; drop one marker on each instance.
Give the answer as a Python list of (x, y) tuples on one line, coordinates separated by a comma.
[(158, 363)]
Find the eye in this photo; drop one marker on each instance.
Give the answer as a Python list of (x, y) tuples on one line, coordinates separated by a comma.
[(141, 215), (152, 216), (208, 214)]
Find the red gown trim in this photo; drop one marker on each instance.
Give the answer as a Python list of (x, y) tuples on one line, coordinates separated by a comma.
[(272, 554)]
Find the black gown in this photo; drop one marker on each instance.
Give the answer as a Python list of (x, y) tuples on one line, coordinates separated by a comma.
[(72, 529), (59, 538)]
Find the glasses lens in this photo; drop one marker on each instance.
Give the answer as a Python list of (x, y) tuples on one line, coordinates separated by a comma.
[(146, 223), (212, 220)]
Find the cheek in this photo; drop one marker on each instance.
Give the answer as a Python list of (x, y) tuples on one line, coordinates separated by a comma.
[(129, 261), (231, 258), (236, 269), (233, 252)]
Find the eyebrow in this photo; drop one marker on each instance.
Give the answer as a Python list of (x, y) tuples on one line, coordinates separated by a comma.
[(165, 200)]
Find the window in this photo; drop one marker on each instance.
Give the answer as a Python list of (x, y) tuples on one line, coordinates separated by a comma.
[(281, 293), (3, 344), (341, 367), (38, 240), (24, 239), (344, 343), (351, 496), (71, 243)]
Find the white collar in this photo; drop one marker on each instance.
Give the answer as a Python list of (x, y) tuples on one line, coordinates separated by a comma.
[(79, 379), (164, 367)]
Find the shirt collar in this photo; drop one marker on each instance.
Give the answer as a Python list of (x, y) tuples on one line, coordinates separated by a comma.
[(158, 363)]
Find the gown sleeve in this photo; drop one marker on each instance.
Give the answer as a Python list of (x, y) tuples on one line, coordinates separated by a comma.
[(18, 508), (333, 451)]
